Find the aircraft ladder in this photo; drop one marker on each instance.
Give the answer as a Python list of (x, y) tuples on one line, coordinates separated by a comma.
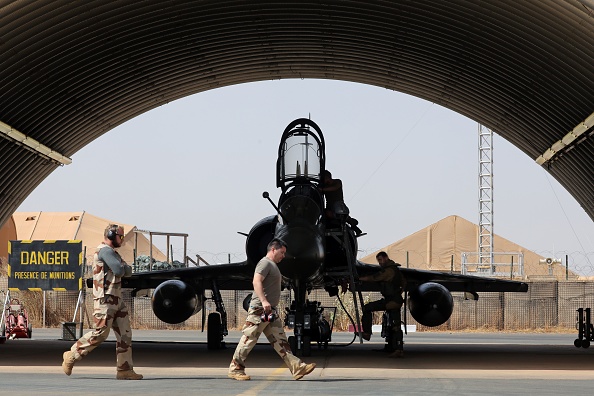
[(351, 271)]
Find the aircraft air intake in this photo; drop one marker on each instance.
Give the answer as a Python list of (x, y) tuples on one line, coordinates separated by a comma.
[(259, 237)]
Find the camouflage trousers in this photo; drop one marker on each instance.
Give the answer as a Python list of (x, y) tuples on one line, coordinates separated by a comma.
[(108, 312), (275, 334)]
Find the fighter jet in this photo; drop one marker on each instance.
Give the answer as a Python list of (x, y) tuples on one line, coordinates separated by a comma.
[(321, 254)]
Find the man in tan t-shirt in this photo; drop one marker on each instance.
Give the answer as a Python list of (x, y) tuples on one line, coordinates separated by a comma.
[(262, 317)]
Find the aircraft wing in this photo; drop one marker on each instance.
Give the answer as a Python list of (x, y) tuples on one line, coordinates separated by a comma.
[(453, 282), (235, 276)]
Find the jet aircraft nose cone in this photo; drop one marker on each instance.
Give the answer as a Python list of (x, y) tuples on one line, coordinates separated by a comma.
[(305, 252)]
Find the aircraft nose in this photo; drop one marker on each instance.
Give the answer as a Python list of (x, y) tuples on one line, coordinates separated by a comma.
[(305, 252)]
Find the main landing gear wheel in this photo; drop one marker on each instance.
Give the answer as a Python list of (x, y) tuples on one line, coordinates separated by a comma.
[(581, 343), (577, 343), (213, 331)]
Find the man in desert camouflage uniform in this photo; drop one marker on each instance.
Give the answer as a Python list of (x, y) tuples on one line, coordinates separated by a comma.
[(262, 317), (109, 310)]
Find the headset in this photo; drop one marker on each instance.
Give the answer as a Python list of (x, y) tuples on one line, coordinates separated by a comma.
[(112, 232), (271, 317)]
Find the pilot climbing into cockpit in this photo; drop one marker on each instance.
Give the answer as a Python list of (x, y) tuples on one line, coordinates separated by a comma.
[(335, 206)]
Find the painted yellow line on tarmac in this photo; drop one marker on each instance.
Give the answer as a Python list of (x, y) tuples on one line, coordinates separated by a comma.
[(262, 385)]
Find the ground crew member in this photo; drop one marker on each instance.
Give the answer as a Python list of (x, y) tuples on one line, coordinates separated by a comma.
[(391, 284), (335, 206), (262, 317), (109, 310)]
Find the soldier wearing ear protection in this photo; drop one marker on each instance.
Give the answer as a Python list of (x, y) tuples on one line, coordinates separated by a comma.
[(111, 232), (109, 309)]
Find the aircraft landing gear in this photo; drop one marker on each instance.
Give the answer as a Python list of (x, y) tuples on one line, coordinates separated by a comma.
[(309, 325), (392, 331), (217, 321), (585, 328), (214, 330)]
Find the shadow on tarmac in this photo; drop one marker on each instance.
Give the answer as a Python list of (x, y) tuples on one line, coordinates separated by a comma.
[(435, 355)]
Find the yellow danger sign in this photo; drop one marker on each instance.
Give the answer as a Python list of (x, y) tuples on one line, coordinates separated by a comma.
[(45, 265)]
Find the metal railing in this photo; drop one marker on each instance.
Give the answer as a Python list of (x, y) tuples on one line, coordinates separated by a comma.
[(503, 264)]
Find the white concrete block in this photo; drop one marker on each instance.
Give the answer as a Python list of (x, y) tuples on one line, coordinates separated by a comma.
[(377, 329)]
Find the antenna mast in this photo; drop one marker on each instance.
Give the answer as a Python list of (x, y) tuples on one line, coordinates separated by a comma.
[(485, 198)]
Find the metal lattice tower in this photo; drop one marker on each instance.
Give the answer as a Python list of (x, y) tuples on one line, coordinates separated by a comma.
[(485, 198)]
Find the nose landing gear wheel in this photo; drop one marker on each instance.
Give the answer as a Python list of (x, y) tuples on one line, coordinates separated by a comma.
[(306, 347), (293, 344)]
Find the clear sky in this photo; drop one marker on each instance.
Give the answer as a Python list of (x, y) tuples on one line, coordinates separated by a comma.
[(199, 166)]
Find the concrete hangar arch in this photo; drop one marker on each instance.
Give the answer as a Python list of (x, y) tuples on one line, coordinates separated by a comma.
[(71, 71)]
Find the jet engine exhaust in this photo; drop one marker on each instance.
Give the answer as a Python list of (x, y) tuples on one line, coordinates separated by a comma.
[(175, 301), (431, 304)]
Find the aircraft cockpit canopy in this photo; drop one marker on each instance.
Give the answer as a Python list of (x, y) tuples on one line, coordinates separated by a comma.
[(301, 155)]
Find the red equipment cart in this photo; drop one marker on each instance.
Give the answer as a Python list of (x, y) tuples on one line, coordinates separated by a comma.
[(15, 321)]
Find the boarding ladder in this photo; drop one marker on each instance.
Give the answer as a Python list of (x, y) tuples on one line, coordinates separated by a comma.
[(350, 270)]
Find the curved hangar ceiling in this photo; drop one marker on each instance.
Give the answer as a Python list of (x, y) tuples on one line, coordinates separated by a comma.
[(71, 71)]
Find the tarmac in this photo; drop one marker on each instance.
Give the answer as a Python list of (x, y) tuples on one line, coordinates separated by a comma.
[(178, 361)]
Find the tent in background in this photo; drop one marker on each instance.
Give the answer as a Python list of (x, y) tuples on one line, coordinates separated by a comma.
[(7, 233), (79, 226), (439, 247)]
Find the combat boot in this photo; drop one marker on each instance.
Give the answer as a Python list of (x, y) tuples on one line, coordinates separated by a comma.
[(128, 375), (68, 362), (238, 375), (304, 370)]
